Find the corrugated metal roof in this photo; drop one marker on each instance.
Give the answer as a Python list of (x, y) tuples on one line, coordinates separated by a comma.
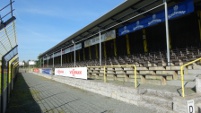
[(126, 10)]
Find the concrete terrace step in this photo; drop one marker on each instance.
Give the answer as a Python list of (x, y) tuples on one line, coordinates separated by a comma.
[(188, 84), (196, 67), (189, 77), (155, 97), (156, 108), (193, 71), (160, 101), (157, 101), (158, 93)]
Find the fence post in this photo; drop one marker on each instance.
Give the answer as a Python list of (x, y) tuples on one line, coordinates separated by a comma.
[(104, 75), (182, 81), (135, 76)]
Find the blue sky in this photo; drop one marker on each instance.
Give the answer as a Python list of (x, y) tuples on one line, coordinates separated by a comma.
[(41, 24)]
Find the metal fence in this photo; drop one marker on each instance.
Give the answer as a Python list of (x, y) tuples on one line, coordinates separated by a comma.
[(8, 52)]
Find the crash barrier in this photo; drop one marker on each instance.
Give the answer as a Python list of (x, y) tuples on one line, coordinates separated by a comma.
[(114, 72), (107, 72), (182, 73), (131, 73), (155, 75), (77, 72), (46, 71), (125, 73)]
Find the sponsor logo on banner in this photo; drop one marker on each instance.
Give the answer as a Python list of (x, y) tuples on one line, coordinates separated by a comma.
[(176, 12), (183, 8), (138, 26), (60, 71), (71, 49), (125, 30), (47, 71), (57, 54), (104, 37), (79, 72), (154, 20), (109, 35), (75, 72), (86, 43)]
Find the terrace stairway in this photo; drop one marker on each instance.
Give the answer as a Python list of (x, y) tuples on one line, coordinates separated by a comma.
[(157, 100), (189, 77)]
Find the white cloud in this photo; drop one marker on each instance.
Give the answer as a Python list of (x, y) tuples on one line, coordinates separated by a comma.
[(43, 12)]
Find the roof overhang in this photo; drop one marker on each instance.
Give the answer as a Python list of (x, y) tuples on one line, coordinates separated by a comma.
[(113, 20)]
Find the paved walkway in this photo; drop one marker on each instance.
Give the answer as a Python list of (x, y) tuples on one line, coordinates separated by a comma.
[(36, 94)]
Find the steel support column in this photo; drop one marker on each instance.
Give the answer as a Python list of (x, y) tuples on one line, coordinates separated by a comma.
[(167, 32), (100, 49)]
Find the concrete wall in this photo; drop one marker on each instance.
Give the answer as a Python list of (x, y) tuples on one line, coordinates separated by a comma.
[(126, 94), (131, 95), (198, 85)]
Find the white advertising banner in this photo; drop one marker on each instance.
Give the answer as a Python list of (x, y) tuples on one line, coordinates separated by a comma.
[(71, 49), (78, 72), (109, 35), (104, 37), (40, 71), (32, 63), (57, 54)]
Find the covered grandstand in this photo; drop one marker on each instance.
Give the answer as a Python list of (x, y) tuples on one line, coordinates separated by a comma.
[(8, 53), (156, 36), (144, 42), (140, 42)]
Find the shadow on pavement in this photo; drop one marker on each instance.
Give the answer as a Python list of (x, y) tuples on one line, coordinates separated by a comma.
[(21, 99)]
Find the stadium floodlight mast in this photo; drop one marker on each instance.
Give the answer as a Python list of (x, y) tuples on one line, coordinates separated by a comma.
[(167, 31), (73, 42)]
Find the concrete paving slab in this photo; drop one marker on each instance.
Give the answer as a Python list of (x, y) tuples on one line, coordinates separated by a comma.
[(35, 94)]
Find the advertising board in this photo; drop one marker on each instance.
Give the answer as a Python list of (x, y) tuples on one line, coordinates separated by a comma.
[(77, 72), (175, 11), (47, 71), (36, 70)]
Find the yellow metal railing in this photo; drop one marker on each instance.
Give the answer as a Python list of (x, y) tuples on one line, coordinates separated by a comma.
[(105, 79), (0, 76), (182, 74), (115, 66)]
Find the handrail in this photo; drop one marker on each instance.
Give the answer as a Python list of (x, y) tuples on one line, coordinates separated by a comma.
[(182, 74), (107, 66)]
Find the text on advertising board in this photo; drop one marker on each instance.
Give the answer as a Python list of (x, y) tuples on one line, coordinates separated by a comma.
[(78, 72), (74, 72), (60, 72)]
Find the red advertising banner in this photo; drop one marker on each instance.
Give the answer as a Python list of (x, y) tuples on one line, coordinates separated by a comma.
[(36, 70)]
